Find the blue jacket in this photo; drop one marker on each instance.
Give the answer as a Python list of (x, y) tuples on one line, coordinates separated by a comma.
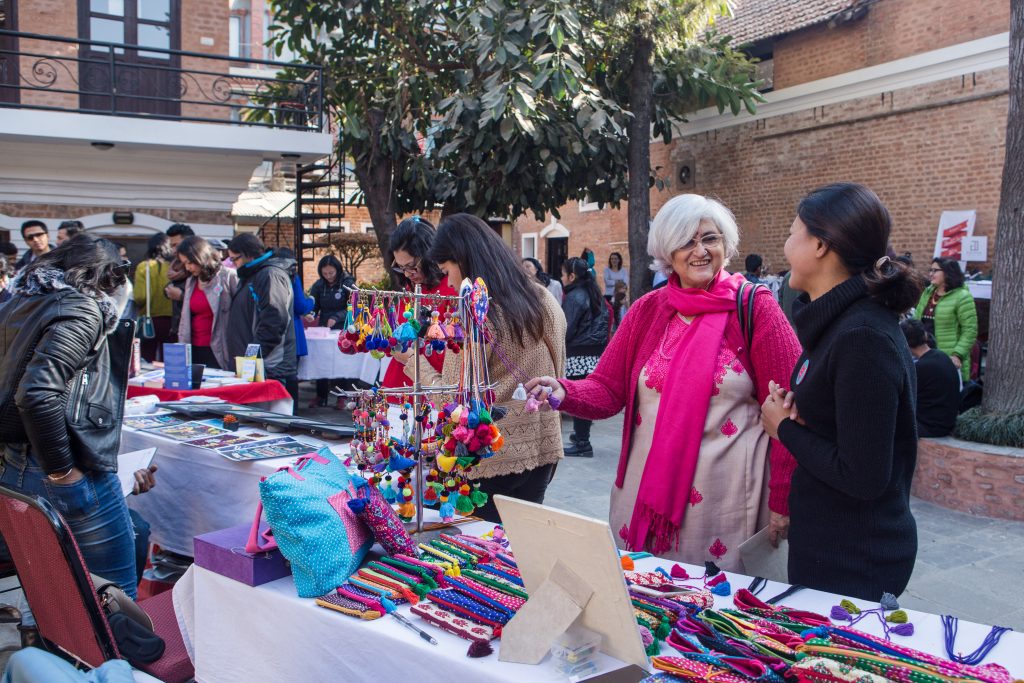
[(303, 305)]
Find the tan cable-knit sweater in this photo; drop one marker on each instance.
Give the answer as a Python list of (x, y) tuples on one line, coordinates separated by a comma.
[(531, 439)]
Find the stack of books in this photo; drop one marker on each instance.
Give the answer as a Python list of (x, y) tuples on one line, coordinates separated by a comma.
[(177, 366)]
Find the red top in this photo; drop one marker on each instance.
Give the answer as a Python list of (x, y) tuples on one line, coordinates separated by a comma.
[(612, 385), (202, 318), (395, 375)]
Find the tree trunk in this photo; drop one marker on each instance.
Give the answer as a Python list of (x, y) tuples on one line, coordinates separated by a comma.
[(1004, 374), (639, 207), (375, 171)]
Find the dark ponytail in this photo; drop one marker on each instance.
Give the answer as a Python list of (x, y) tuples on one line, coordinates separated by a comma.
[(581, 269), (852, 221)]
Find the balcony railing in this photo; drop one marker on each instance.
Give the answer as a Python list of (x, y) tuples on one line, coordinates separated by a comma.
[(54, 73)]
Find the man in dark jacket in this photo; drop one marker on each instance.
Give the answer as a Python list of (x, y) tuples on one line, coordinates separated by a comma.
[(938, 384), (261, 311)]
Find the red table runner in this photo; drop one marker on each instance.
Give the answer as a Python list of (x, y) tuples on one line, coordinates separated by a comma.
[(250, 392)]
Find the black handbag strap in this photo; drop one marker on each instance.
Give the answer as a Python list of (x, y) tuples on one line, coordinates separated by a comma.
[(745, 314)]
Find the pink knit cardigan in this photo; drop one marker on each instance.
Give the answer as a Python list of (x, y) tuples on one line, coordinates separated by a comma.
[(612, 385)]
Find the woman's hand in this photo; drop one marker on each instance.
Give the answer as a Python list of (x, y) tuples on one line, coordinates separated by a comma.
[(401, 356), (778, 528), (309, 317), (173, 293), (773, 411), (144, 480), (957, 362), (549, 383)]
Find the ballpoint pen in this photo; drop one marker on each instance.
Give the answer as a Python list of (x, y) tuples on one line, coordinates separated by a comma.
[(408, 624)]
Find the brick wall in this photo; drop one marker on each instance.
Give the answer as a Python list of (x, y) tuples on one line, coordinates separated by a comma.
[(64, 212), (892, 29), (981, 480)]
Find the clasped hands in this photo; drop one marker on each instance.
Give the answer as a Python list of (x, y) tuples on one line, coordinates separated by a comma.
[(779, 405)]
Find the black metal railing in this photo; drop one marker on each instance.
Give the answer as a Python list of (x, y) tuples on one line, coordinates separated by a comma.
[(68, 74)]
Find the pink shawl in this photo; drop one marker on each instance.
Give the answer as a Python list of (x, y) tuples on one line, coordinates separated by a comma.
[(672, 461)]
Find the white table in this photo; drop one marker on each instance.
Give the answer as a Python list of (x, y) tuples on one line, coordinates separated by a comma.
[(268, 633), (325, 361), (197, 490)]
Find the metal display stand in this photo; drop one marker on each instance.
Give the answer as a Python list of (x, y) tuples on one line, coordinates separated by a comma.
[(417, 391)]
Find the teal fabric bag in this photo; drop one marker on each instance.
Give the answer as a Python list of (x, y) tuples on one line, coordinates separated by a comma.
[(307, 509)]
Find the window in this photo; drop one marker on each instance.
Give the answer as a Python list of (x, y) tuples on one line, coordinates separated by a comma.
[(528, 245), (586, 205), (238, 36), (368, 229)]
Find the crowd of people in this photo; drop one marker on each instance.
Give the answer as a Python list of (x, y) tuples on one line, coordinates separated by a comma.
[(740, 416)]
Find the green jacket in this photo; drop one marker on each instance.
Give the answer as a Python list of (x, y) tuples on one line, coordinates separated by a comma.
[(956, 324), (159, 304)]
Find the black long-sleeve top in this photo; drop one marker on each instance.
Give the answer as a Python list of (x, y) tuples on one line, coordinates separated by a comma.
[(851, 529)]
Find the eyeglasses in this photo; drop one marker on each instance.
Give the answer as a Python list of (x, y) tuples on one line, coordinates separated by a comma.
[(709, 241), (935, 270), (411, 268), (34, 236)]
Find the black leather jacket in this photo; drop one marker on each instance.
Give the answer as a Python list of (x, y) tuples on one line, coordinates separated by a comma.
[(63, 379), (583, 329)]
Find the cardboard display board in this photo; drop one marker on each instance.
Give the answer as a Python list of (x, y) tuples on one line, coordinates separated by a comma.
[(570, 566)]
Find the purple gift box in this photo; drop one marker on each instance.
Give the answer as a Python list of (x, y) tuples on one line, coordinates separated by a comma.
[(223, 552)]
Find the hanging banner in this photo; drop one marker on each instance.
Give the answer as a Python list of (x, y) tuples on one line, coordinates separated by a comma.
[(954, 227)]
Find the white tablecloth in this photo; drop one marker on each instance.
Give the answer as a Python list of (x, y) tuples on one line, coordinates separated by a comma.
[(325, 361), (197, 490), (268, 633)]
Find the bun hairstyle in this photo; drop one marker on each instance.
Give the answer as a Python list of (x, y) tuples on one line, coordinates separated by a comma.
[(852, 221)]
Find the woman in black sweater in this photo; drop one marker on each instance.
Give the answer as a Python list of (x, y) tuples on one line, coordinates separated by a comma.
[(849, 421)]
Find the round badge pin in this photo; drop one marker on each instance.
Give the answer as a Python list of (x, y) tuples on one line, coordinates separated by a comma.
[(337, 295), (803, 371)]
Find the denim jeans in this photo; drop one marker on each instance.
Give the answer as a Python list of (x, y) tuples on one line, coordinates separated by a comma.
[(32, 665), (93, 507)]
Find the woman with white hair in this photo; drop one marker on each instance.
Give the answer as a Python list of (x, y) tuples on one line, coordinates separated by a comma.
[(697, 475)]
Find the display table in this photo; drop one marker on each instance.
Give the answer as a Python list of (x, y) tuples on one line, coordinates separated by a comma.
[(270, 395), (325, 361), (268, 633), (198, 490)]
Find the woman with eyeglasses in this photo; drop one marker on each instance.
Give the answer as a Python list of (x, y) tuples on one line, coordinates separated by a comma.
[(64, 360), (410, 245), (948, 312), (697, 474)]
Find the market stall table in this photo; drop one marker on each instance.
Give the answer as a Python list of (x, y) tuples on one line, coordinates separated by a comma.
[(197, 489), (325, 361), (268, 633), (269, 395)]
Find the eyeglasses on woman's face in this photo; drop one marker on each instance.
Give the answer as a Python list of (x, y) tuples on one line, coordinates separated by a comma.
[(407, 268), (935, 270), (708, 241)]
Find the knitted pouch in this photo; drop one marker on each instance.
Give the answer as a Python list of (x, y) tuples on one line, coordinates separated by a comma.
[(384, 523), (453, 623), (340, 603), (822, 670)]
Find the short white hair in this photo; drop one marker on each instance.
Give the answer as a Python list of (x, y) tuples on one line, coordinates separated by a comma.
[(677, 223)]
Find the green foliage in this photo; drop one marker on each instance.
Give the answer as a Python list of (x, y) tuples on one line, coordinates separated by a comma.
[(502, 107), (382, 283), (996, 429)]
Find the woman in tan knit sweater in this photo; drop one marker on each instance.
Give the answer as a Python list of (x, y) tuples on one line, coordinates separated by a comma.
[(529, 327)]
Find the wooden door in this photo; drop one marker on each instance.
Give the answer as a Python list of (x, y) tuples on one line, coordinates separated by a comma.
[(558, 253), (133, 80), (8, 53)]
